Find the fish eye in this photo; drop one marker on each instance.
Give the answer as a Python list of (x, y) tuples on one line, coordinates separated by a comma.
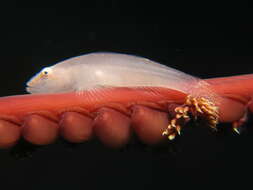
[(45, 71)]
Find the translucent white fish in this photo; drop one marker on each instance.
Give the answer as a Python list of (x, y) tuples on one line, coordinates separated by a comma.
[(97, 70)]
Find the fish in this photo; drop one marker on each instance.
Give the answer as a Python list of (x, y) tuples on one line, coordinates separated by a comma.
[(104, 69)]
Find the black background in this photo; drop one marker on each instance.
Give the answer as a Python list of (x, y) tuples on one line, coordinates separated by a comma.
[(32, 38)]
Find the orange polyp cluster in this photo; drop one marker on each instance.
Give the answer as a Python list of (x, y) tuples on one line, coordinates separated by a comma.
[(194, 108)]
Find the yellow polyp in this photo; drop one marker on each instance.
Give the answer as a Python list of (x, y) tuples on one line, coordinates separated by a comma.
[(173, 123), (178, 128), (198, 108), (186, 116), (179, 110), (169, 126), (178, 116), (236, 130), (186, 109), (171, 137), (165, 133)]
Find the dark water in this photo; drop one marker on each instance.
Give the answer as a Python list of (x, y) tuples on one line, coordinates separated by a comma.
[(34, 38)]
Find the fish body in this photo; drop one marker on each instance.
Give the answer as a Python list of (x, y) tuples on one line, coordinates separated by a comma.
[(99, 70)]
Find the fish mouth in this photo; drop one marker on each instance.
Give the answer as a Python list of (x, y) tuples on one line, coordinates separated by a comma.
[(34, 80), (32, 86), (31, 89), (30, 83)]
